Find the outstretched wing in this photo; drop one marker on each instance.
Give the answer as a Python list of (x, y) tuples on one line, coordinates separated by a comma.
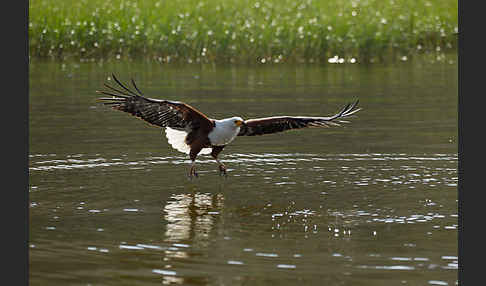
[(163, 113), (261, 126)]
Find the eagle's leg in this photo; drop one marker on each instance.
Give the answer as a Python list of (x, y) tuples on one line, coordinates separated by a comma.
[(214, 154), (192, 171), (193, 154), (222, 168)]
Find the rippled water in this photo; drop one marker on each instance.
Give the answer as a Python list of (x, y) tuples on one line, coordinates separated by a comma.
[(371, 203)]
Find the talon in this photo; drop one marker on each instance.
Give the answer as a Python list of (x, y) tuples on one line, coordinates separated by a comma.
[(192, 172), (222, 170)]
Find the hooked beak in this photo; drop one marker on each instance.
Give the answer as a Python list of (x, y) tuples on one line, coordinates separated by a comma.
[(239, 123)]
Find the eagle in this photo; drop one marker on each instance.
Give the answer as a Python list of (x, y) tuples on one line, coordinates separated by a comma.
[(190, 131)]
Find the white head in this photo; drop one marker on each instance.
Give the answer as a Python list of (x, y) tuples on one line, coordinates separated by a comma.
[(233, 122), (225, 131)]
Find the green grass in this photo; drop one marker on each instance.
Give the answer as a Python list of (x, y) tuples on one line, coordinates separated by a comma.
[(241, 31)]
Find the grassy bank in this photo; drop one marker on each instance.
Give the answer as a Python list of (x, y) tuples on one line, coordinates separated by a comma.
[(241, 31)]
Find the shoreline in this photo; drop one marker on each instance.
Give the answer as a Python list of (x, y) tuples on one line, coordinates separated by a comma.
[(231, 31)]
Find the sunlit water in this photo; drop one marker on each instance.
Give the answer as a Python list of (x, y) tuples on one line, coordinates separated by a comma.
[(371, 203)]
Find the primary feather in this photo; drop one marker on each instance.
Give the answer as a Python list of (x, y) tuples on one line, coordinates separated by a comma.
[(162, 113)]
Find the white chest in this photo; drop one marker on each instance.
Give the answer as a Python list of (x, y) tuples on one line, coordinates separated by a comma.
[(223, 133)]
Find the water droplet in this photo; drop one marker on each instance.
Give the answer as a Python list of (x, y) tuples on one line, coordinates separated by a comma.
[(286, 266), (437, 282), (164, 272)]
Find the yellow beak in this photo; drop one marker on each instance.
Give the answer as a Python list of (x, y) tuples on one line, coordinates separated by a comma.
[(238, 122)]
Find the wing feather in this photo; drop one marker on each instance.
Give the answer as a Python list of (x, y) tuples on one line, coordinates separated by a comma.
[(162, 113), (269, 125)]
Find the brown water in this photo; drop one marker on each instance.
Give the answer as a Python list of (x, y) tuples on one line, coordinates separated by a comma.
[(370, 203)]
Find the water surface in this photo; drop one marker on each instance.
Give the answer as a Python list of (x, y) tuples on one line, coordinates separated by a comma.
[(371, 203)]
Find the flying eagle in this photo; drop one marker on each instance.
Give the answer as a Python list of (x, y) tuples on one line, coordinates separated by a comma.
[(190, 131)]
